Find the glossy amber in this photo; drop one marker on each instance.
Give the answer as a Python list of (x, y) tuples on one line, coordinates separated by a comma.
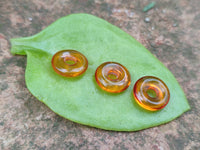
[(151, 93), (69, 63), (112, 77)]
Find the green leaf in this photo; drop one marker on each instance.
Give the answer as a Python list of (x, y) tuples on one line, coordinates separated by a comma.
[(80, 99)]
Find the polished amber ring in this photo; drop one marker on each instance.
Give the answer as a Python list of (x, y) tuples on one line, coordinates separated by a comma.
[(69, 63), (112, 77), (151, 93)]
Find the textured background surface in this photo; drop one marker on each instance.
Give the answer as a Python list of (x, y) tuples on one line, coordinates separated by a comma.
[(172, 35)]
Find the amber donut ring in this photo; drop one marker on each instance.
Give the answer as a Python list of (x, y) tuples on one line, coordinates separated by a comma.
[(151, 93), (112, 77), (69, 63)]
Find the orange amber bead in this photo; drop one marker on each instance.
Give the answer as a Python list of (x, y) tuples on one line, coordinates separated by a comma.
[(69, 63), (151, 93), (112, 77)]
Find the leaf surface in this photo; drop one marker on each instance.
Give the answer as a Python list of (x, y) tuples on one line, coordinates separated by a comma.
[(80, 99)]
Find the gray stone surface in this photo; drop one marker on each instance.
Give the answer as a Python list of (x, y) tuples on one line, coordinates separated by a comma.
[(172, 35)]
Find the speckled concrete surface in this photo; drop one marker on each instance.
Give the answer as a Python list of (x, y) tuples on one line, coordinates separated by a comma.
[(171, 33)]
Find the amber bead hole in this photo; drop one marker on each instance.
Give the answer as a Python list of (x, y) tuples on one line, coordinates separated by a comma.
[(152, 93), (113, 75), (70, 61)]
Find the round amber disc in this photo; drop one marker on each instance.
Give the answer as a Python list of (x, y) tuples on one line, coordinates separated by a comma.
[(112, 77), (69, 63), (151, 93)]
